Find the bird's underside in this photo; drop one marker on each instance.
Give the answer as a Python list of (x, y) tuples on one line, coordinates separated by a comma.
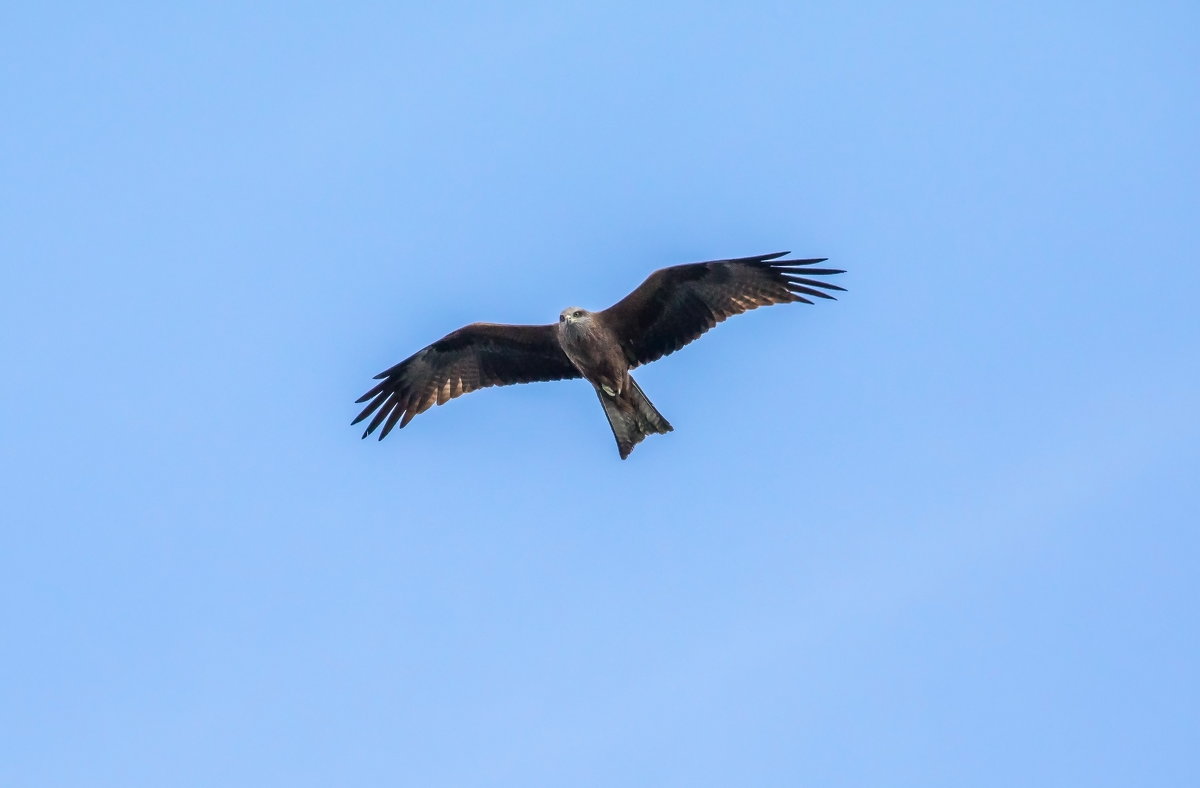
[(671, 308)]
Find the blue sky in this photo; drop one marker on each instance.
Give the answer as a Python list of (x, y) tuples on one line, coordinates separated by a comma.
[(941, 532)]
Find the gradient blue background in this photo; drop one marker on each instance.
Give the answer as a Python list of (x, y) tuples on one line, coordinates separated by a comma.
[(942, 532)]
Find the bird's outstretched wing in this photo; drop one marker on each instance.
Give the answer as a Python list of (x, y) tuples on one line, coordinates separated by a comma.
[(676, 305), (473, 357)]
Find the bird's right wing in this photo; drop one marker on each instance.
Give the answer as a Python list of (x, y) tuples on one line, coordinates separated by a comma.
[(473, 357)]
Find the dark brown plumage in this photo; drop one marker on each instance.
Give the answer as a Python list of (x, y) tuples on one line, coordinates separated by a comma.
[(670, 309), (675, 305), (473, 357)]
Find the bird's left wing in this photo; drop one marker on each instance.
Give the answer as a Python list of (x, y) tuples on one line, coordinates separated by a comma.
[(676, 305), (473, 357)]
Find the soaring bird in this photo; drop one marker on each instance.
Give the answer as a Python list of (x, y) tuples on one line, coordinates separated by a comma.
[(671, 308)]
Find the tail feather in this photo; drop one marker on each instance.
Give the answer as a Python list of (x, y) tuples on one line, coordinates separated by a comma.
[(632, 417)]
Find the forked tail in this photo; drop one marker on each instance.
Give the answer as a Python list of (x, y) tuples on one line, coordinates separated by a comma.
[(632, 417)]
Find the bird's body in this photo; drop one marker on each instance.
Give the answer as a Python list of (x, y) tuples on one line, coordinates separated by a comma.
[(595, 350), (671, 308)]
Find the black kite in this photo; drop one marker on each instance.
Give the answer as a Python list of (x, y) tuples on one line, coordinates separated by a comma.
[(670, 309)]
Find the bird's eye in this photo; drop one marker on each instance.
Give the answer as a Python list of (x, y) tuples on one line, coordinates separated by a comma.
[(578, 313)]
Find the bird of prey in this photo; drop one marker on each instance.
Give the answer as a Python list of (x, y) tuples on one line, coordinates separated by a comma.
[(670, 309)]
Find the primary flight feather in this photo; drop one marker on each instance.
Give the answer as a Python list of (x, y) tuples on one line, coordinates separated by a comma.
[(670, 309)]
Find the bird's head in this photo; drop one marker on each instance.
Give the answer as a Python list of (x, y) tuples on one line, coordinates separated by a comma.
[(572, 314)]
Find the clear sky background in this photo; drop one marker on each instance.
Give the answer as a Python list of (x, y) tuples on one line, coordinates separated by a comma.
[(941, 532)]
